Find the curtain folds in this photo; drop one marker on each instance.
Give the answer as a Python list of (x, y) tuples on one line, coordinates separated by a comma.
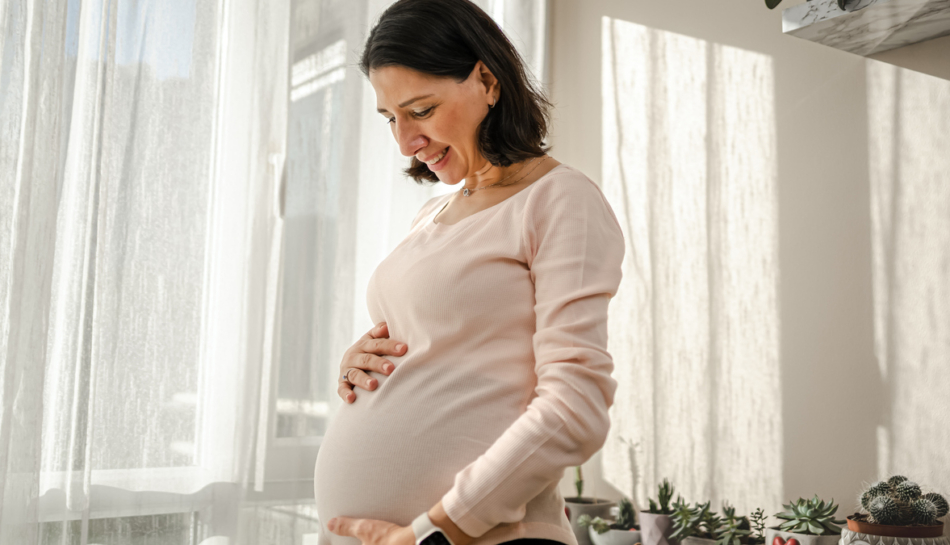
[(192, 196)]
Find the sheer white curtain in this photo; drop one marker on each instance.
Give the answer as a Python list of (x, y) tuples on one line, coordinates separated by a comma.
[(689, 165), (192, 198)]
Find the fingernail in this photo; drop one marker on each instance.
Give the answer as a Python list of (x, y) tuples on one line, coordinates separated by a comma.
[(388, 367), (399, 347)]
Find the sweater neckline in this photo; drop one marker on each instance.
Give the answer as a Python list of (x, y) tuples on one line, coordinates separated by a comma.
[(432, 225)]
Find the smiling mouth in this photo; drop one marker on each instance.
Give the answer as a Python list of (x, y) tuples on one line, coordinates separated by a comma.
[(437, 158)]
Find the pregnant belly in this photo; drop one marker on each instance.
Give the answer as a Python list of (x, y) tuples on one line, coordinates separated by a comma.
[(395, 451)]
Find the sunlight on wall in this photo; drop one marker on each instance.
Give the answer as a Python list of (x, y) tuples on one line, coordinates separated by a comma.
[(908, 138), (689, 163)]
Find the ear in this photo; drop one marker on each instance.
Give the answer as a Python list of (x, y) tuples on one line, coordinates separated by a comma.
[(486, 81)]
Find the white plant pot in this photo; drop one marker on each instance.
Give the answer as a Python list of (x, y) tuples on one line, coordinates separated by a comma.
[(855, 538), (656, 529), (785, 538), (600, 509), (614, 537), (697, 541)]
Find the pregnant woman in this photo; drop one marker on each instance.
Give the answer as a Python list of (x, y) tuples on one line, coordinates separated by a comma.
[(487, 375)]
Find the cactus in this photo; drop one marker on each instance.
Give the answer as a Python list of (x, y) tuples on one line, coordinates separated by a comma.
[(664, 494), (812, 517), (898, 501), (925, 512), (939, 502), (907, 491), (626, 519), (880, 488), (579, 481), (896, 480), (883, 510)]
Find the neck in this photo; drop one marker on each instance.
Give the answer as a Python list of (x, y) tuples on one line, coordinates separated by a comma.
[(490, 174)]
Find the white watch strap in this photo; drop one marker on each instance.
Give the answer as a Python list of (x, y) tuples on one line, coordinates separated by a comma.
[(422, 526)]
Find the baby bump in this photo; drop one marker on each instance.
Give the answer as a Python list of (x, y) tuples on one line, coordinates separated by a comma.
[(395, 451)]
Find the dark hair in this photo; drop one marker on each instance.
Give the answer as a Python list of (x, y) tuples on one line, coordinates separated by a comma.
[(446, 38)]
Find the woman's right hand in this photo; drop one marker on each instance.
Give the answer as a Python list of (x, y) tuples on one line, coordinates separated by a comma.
[(363, 355)]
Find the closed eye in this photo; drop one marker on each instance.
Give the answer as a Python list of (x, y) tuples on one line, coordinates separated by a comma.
[(420, 115)]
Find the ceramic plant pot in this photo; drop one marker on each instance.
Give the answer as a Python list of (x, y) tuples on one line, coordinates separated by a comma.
[(656, 529), (861, 531), (614, 537), (575, 507), (774, 536), (691, 540)]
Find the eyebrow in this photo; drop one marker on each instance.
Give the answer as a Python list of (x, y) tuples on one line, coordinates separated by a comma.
[(404, 104)]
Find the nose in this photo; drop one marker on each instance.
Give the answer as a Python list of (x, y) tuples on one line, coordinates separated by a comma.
[(409, 138)]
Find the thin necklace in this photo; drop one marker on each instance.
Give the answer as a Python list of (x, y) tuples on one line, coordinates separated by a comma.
[(466, 191)]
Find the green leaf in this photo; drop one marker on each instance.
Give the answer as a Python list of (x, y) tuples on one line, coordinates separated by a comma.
[(815, 529), (772, 3)]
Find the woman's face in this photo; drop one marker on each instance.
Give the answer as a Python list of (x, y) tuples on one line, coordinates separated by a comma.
[(430, 115)]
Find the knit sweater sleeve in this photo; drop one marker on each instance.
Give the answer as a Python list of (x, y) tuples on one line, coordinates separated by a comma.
[(574, 248)]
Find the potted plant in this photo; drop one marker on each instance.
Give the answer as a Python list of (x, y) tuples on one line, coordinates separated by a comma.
[(897, 509), (581, 505), (623, 531), (741, 530), (806, 522), (696, 525), (656, 524)]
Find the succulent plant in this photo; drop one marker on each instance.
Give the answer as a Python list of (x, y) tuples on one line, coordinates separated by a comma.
[(664, 494), (731, 531), (757, 519), (699, 521), (579, 481), (626, 519), (898, 501), (600, 525), (811, 517), (685, 524)]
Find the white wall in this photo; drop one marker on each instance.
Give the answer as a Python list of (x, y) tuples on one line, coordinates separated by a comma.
[(847, 366)]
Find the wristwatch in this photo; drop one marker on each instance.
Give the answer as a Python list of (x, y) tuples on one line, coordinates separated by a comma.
[(427, 533)]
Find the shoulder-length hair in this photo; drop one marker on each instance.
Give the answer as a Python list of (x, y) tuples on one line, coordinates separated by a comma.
[(446, 38)]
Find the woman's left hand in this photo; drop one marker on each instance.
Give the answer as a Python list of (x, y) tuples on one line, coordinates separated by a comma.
[(372, 532)]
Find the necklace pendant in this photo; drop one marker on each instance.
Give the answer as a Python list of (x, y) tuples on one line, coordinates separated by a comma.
[(466, 192)]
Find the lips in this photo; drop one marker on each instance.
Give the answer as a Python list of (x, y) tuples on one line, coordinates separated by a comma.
[(435, 167)]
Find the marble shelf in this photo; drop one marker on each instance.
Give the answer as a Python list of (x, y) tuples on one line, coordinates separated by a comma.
[(875, 26)]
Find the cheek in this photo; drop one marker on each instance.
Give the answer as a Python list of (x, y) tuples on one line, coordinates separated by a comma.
[(459, 126)]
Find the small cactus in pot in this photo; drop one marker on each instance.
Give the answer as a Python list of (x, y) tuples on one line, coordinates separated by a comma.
[(898, 508), (577, 507), (656, 524), (622, 531)]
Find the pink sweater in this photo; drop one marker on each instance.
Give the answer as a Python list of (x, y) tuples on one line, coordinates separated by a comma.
[(507, 379)]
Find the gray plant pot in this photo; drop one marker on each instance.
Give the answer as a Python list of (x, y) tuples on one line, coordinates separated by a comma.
[(614, 537), (802, 539), (600, 509), (656, 529)]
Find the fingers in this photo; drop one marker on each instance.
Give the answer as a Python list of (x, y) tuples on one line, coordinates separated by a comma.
[(378, 330), (346, 392)]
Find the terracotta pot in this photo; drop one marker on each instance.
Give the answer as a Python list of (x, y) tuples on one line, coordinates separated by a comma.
[(785, 538), (656, 529), (862, 527), (614, 537), (575, 507)]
